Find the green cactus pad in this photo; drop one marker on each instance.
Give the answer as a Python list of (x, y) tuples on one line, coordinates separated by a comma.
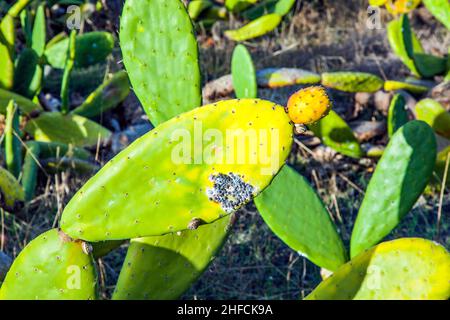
[(239, 5), (243, 73), (255, 28), (403, 269), (169, 178), (281, 7), (164, 267), (25, 105), (28, 74), (39, 34), (433, 113), (105, 97), (440, 10), (280, 77), (399, 179), (352, 81), (102, 248), (90, 48), (78, 130), (196, 7), (13, 147), (397, 115), (295, 213), (401, 40), (30, 169), (51, 267), (54, 165), (161, 57), (392, 85), (7, 40), (335, 133), (428, 65), (11, 193)]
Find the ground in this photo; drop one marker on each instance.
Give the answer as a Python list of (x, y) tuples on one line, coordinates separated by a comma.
[(254, 264)]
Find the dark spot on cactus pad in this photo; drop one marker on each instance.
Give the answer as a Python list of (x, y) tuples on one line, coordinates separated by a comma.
[(230, 191), (195, 223)]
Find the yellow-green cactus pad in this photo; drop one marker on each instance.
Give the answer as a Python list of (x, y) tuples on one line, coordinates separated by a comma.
[(25, 105), (164, 267), (403, 269), (280, 77), (198, 166), (352, 81), (433, 113), (392, 85), (68, 129), (12, 195), (7, 39), (255, 28), (51, 267)]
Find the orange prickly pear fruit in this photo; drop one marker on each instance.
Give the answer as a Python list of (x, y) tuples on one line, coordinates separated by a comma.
[(308, 105)]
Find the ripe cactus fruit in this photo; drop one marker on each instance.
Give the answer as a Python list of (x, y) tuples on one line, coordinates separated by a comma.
[(308, 105), (78, 130), (392, 85), (243, 73), (352, 81), (105, 97), (90, 48), (164, 267), (51, 267), (25, 105), (131, 195), (433, 113), (440, 10), (335, 133), (401, 6), (295, 213), (280, 77), (397, 115), (11, 192), (161, 56), (399, 179), (402, 269), (255, 28)]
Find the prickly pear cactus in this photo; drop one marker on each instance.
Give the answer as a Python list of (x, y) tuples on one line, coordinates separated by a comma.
[(164, 267), (397, 115), (440, 10), (30, 169), (433, 113), (295, 213), (197, 7), (90, 48), (255, 28), (238, 5), (7, 40), (335, 133), (181, 173), (428, 65), (78, 130), (11, 192), (352, 81), (161, 57), (51, 267), (28, 74), (392, 85), (243, 73), (309, 105), (105, 97), (403, 269), (399, 179), (25, 105), (281, 77), (281, 7)]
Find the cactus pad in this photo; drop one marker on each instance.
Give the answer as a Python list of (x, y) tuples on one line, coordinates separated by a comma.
[(280, 77), (243, 73), (399, 179), (397, 115), (295, 213), (392, 85), (11, 193), (78, 130), (161, 57), (51, 267), (403, 269), (335, 133), (433, 113), (352, 81), (164, 267), (255, 28), (308, 105), (173, 175), (25, 105)]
